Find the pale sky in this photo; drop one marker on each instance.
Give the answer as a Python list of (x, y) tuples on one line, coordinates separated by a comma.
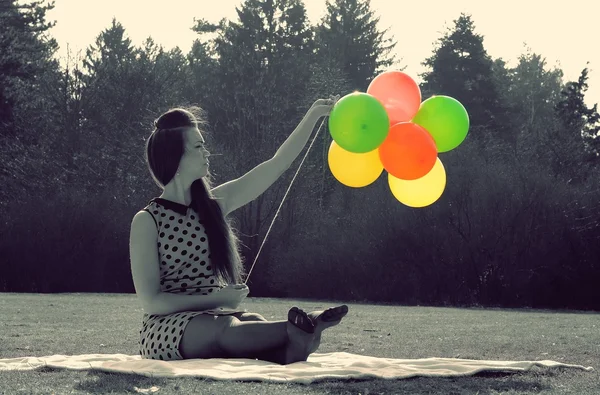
[(566, 35)]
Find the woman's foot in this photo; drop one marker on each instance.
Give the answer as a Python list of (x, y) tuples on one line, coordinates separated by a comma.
[(301, 320), (325, 319), (328, 318), (300, 329)]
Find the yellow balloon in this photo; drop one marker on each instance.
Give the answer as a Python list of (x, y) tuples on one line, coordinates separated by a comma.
[(354, 169), (420, 192)]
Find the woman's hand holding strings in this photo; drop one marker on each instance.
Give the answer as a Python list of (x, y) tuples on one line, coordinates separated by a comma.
[(233, 295), (322, 107)]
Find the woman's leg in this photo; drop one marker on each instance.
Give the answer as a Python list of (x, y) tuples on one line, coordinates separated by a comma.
[(244, 339), (207, 336), (249, 317), (308, 343), (276, 354), (275, 341), (325, 319)]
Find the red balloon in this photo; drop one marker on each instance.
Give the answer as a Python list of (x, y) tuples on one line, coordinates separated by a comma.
[(409, 152), (399, 93)]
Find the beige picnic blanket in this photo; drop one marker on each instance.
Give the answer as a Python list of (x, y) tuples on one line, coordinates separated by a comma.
[(335, 365)]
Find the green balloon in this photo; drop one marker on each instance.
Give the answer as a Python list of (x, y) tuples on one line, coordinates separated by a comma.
[(446, 119), (359, 122)]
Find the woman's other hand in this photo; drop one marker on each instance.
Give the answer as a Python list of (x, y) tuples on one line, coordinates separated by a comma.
[(233, 295)]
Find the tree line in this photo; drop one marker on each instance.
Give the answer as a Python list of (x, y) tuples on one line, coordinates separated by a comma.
[(518, 223)]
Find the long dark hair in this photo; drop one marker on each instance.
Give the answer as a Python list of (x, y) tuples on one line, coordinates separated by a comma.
[(164, 149)]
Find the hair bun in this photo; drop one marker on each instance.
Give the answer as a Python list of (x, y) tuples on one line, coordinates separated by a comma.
[(175, 118)]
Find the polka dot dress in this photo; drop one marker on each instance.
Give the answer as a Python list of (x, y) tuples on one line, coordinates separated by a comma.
[(185, 268)]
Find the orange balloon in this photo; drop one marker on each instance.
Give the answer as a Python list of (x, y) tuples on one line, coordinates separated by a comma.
[(399, 93), (409, 152)]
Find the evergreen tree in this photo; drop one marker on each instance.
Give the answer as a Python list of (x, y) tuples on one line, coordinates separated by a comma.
[(27, 118), (201, 68), (259, 68), (26, 53), (107, 65), (575, 144), (263, 60), (461, 68), (532, 90), (348, 39), (124, 88)]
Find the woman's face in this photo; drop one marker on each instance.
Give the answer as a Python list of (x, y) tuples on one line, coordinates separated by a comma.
[(194, 162)]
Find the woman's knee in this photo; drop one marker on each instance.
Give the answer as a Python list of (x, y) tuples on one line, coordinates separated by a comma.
[(251, 317), (227, 321)]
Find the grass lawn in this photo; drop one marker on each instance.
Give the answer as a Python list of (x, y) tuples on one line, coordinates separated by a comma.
[(41, 325)]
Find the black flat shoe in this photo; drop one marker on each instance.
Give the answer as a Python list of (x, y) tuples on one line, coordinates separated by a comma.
[(334, 313), (300, 319)]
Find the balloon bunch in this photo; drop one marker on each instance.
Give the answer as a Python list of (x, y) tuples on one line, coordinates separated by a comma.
[(389, 128)]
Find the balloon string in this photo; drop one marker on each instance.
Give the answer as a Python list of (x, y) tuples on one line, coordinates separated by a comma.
[(282, 200)]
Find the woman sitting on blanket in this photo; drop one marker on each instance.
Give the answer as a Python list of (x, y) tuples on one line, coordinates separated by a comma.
[(185, 261)]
